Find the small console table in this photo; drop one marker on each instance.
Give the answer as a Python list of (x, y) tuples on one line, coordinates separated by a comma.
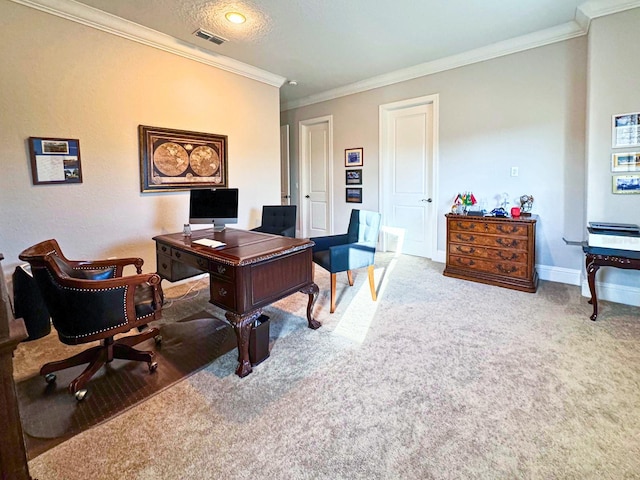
[(606, 257)]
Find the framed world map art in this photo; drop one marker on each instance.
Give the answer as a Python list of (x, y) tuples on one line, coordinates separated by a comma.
[(180, 160)]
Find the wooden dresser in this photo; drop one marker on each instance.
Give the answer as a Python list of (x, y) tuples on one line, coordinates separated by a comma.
[(492, 250)]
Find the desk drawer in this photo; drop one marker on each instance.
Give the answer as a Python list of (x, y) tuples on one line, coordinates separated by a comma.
[(190, 259), (222, 293), (222, 271)]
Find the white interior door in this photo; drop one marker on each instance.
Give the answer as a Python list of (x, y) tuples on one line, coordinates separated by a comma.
[(316, 147), (407, 178), (285, 188)]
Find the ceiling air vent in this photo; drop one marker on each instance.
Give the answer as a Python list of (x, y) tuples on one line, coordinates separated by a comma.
[(209, 36)]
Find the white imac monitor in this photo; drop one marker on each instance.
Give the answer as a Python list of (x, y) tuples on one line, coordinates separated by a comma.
[(217, 206)]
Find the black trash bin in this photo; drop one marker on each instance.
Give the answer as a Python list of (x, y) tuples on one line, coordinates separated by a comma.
[(259, 340), (29, 305)]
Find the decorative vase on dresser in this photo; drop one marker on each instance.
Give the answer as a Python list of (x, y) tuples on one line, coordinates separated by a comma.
[(493, 250)]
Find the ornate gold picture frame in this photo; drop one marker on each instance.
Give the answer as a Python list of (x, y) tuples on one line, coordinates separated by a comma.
[(180, 160)]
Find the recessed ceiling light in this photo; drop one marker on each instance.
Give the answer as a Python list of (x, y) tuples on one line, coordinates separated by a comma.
[(293, 83), (235, 17)]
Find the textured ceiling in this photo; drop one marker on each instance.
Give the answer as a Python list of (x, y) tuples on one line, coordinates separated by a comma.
[(326, 44)]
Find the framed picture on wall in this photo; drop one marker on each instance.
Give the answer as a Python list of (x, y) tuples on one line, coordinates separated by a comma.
[(354, 195), (625, 130), (353, 157), (625, 162), (55, 160), (353, 177), (626, 184), (180, 160)]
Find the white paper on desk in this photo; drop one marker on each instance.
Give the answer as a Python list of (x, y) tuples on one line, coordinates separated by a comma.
[(207, 242)]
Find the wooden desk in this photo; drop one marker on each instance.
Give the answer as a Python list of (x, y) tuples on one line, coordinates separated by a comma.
[(606, 257), (250, 272)]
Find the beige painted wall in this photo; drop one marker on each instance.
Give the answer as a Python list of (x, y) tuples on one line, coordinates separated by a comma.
[(614, 70), (63, 79), (525, 110)]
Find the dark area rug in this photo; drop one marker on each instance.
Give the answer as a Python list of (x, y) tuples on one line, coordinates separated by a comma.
[(51, 415)]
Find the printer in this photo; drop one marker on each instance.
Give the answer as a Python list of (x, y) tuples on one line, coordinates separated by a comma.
[(618, 236)]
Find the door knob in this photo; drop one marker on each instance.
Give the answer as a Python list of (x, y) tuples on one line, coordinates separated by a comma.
[(426, 200), (306, 196)]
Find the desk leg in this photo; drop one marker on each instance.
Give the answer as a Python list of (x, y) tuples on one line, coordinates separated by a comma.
[(592, 268), (242, 327), (312, 290)]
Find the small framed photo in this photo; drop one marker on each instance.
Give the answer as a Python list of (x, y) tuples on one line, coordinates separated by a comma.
[(626, 184), (625, 130), (354, 195), (625, 162), (55, 160), (353, 177), (353, 157)]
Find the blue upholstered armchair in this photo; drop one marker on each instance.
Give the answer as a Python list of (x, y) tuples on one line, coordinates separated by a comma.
[(350, 251), (278, 220)]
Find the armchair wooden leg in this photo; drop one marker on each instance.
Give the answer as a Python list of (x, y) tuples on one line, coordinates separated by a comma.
[(372, 284), (350, 277), (333, 293)]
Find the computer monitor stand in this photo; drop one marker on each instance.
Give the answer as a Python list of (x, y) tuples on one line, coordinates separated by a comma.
[(218, 228)]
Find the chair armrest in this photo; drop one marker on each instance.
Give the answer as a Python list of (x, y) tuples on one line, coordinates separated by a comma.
[(117, 264), (324, 243)]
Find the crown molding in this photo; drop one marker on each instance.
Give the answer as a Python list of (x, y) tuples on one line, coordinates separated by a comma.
[(525, 42), (94, 18), (578, 27)]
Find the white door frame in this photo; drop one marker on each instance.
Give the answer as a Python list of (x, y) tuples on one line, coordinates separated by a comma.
[(285, 171), (383, 113), (302, 173)]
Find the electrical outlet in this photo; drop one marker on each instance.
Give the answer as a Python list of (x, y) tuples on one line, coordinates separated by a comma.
[(514, 171)]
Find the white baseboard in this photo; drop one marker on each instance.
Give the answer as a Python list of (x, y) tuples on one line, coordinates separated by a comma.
[(606, 291)]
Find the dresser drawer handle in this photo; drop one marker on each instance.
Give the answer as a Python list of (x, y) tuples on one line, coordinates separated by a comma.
[(178, 255), (462, 249), (513, 256), (462, 238), (504, 229), (165, 266), (467, 263), (222, 292), (507, 243), (221, 269), (163, 248), (507, 270), (462, 226)]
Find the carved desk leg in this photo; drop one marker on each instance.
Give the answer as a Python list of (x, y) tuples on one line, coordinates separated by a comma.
[(242, 327), (592, 268), (312, 290)]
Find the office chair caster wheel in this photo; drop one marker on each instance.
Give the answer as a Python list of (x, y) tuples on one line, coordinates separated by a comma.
[(153, 366), (157, 339), (80, 394), (50, 378)]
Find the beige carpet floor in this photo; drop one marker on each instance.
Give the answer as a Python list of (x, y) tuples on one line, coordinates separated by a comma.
[(438, 379)]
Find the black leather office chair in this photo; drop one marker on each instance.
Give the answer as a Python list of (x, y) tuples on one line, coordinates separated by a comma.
[(349, 251), (91, 300), (278, 220)]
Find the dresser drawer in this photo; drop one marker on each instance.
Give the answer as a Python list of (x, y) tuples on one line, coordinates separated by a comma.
[(509, 255), (505, 269), (497, 228), (222, 271), (510, 243)]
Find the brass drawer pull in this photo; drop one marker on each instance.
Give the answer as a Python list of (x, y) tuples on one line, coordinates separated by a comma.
[(178, 255), (462, 238), (471, 226), (505, 243), (221, 269), (165, 266), (513, 256), (502, 269), (504, 229), (222, 292), (202, 263), (468, 263), (461, 249), (164, 248)]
